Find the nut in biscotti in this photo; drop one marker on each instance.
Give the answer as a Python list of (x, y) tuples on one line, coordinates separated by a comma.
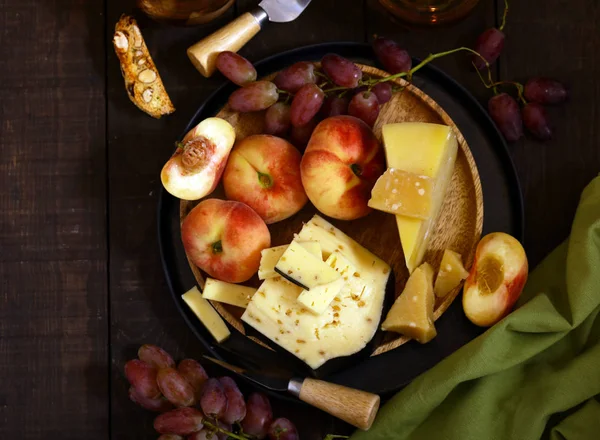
[(142, 80)]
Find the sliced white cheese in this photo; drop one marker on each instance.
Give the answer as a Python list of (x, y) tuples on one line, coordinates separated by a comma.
[(346, 325), (301, 267), (270, 257), (318, 298), (227, 293), (206, 314), (268, 260)]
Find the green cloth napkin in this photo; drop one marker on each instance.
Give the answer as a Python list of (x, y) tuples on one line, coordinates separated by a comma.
[(535, 374)]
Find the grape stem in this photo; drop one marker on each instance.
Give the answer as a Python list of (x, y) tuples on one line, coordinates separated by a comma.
[(493, 85), (215, 428), (334, 436), (504, 15)]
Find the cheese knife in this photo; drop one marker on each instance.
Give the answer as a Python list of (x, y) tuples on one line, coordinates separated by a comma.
[(241, 30), (355, 407)]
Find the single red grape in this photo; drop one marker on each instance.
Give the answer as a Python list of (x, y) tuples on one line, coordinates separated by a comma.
[(341, 71), (159, 404), (194, 373), (505, 112), (489, 45), (283, 429), (175, 387), (253, 97), (536, 121), (155, 356), (334, 106), (236, 406), (545, 91), (365, 106), (236, 68), (259, 415), (391, 55), (278, 119), (306, 104), (294, 77), (180, 421), (383, 91), (142, 377), (213, 400)]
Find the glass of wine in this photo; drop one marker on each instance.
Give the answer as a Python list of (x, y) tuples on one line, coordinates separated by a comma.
[(185, 12), (429, 12)]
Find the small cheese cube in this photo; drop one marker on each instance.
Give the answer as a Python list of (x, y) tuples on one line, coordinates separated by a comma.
[(206, 314), (412, 313), (304, 269), (403, 193), (427, 150), (228, 293), (270, 257), (451, 273)]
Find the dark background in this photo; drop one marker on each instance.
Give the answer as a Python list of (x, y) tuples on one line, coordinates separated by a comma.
[(81, 281)]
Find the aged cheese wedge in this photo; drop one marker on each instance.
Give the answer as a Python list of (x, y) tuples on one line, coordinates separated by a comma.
[(301, 267), (412, 313), (270, 257), (227, 293), (451, 273), (401, 192), (427, 150), (347, 324), (206, 314)]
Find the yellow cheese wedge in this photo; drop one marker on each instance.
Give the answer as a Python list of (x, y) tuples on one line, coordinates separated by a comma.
[(301, 267), (412, 313), (401, 192), (270, 257), (227, 293), (206, 314), (428, 150), (451, 273)]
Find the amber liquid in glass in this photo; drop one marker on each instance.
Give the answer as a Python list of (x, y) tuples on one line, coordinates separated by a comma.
[(185, 12), (429, 12)]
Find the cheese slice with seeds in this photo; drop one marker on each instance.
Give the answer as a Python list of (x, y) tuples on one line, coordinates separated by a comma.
[(270, 257), (301, 267), (233, 294)]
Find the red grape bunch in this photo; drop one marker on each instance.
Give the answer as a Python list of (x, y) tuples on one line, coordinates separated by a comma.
[(196, 407)]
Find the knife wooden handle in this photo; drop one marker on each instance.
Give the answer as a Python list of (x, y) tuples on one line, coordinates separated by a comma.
[(231, 37), (356, 407)]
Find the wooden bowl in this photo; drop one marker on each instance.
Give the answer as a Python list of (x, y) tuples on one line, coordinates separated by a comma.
[(458, 227)]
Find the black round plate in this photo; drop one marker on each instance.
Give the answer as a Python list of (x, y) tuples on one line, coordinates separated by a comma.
[(503, 206)]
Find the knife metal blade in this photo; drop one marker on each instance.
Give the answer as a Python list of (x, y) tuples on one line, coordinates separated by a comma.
[(271, 380), (283, 11)]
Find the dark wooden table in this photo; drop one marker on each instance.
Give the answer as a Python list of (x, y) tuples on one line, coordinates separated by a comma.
[(82, 285)]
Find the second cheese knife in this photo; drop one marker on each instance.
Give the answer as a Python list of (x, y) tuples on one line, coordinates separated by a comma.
[(241, 30), (355, 407)]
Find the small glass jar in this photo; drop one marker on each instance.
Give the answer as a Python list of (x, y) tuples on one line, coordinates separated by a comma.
[(185, 12), (429, 12)]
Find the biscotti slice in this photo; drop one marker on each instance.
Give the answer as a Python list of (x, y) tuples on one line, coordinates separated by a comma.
[(142, 80)]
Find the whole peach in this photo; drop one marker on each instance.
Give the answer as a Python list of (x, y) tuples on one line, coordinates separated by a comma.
[(340, 166), (225, 239), (263, 172)]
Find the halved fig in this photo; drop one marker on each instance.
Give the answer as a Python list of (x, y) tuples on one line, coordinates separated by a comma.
[(196, 167)]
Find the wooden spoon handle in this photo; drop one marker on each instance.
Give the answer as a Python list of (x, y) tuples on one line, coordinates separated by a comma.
[(231, 37), (356, 407)]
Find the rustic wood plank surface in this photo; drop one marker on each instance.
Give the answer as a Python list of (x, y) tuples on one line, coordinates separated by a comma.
[(82, 284), (53, 296)]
